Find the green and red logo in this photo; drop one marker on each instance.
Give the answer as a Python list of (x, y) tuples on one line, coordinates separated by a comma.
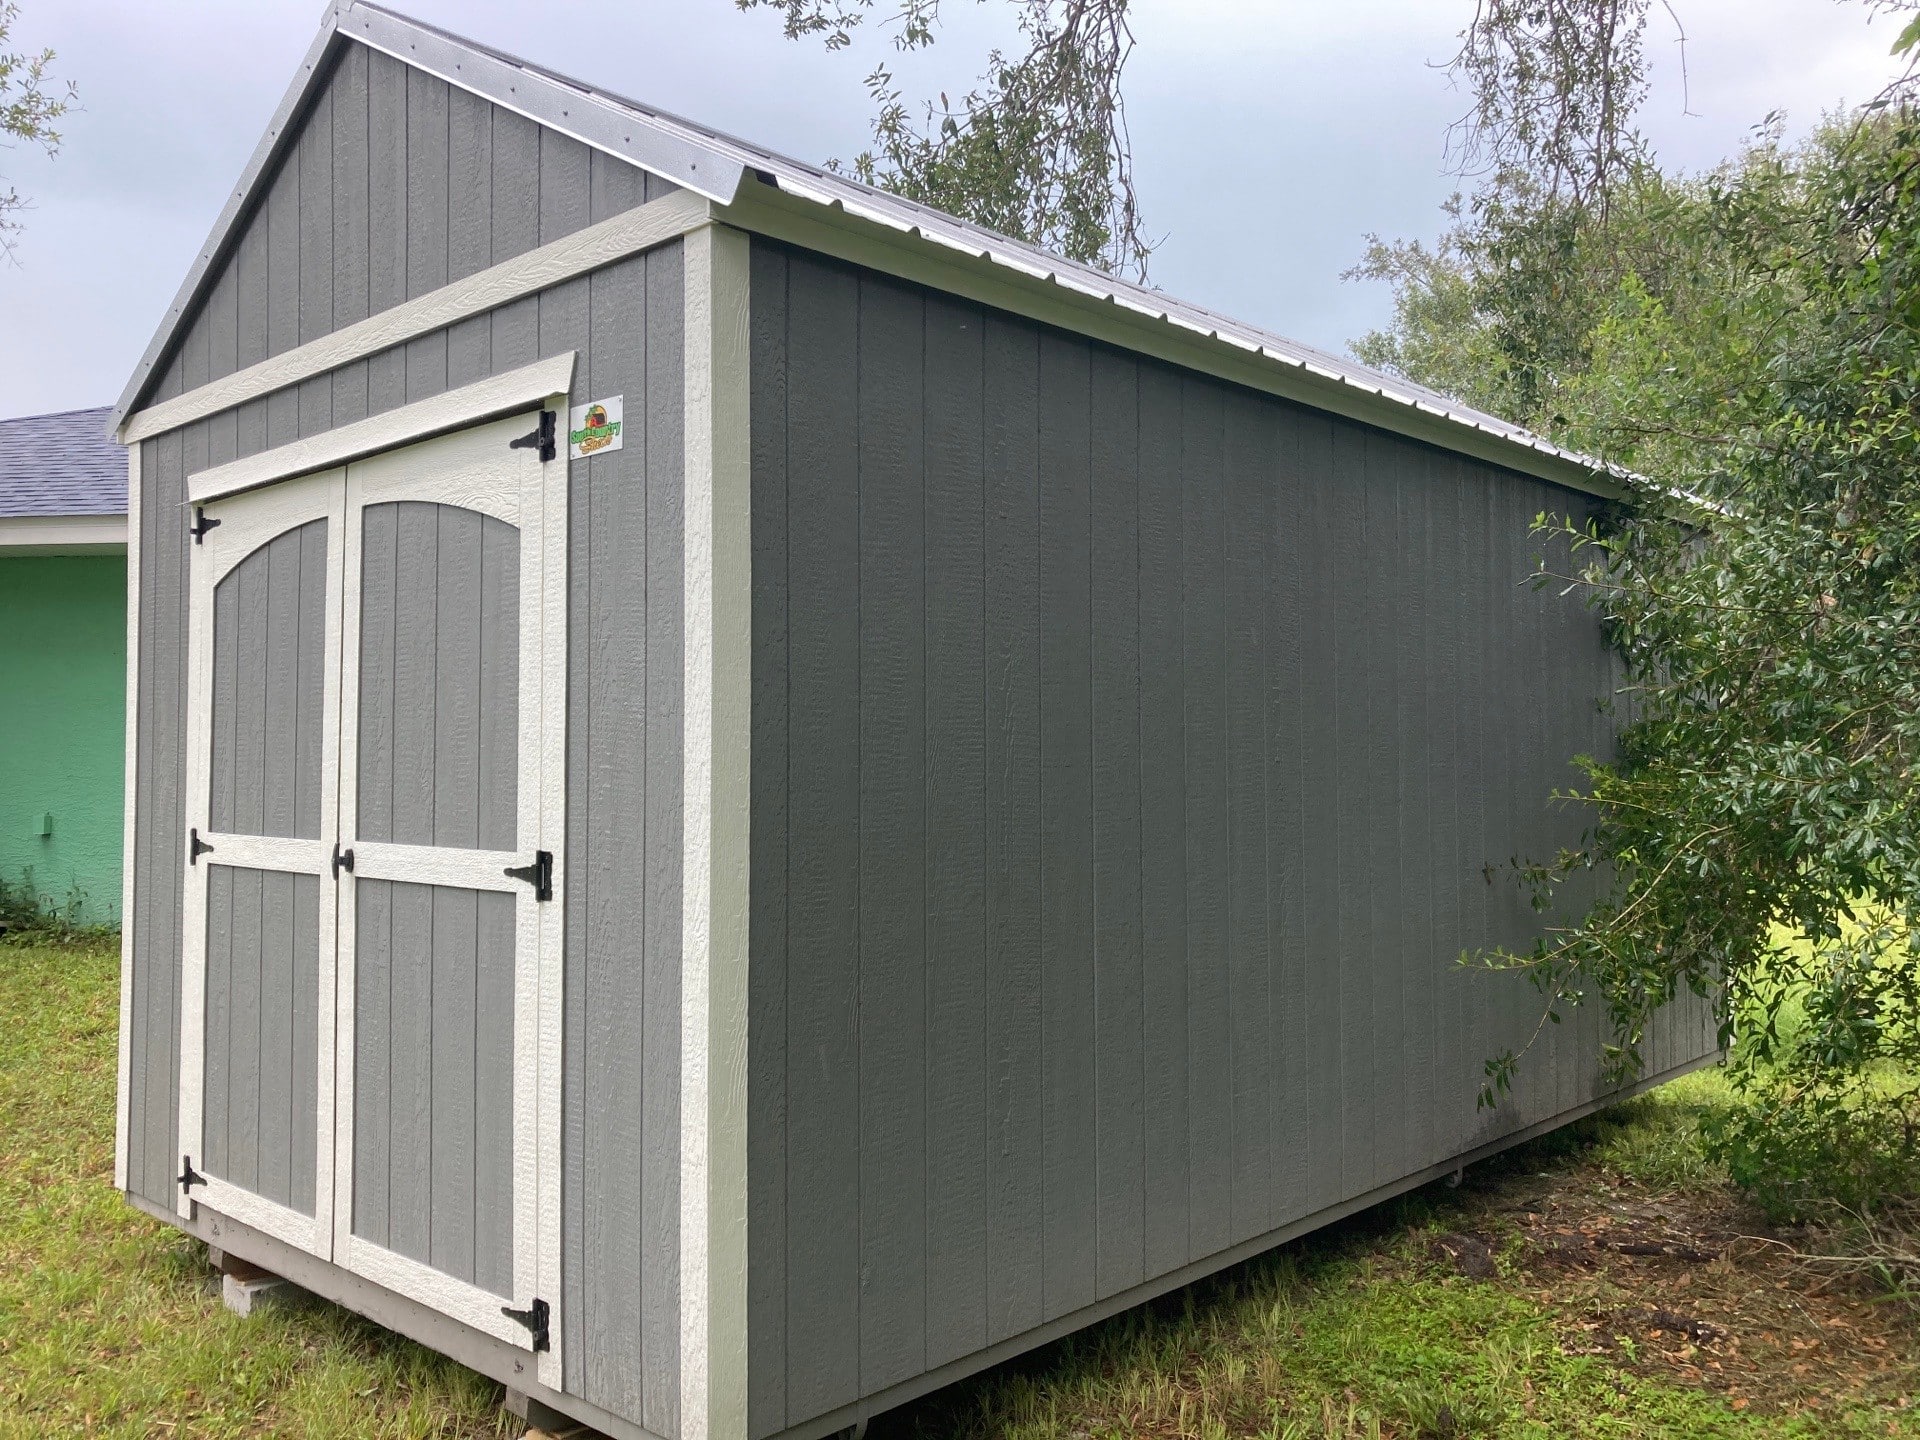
[(596, 431)]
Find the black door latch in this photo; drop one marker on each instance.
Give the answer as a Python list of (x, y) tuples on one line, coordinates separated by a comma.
[(535, 1318), (539, 874), (542, 439), (342, 860)]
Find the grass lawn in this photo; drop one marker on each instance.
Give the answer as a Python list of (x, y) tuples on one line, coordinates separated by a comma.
[(1598, 1283)]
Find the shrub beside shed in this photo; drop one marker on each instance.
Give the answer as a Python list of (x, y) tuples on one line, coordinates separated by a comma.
[(751, 798)]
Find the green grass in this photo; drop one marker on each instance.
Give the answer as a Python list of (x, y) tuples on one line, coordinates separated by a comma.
[(1357, 1345), (111, 1324)]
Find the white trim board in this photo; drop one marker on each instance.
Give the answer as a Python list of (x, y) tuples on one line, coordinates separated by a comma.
[(716, 750), (530, 385), (124, 1094), (628, 233), (68, 534)]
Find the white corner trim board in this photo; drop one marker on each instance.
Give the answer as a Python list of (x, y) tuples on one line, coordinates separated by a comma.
[(121, 1137), (628, 233), (501, 395), (716, 756)]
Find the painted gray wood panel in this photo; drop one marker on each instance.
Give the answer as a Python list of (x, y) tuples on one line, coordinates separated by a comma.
[(262, 997), (626, 544), (439, 677), (1127, 752), (622, 1085), (389, 186), (269, 629), (261, 1072), (433, 1077), (439, 648)]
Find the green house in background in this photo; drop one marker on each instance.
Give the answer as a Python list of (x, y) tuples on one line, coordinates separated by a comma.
[(63, 660)]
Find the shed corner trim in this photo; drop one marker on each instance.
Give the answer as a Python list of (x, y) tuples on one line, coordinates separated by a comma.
[(122, 1130), (717, 797)]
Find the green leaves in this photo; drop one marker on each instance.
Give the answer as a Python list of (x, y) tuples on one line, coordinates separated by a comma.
[(1038, 150), (31, 102), (1750, 336)]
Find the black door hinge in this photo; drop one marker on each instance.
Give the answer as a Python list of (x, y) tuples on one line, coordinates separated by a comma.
[(543, 439), (196, 847), (535, 1318), (342, 860), (539, 874), (201, 524), (188, 1176)]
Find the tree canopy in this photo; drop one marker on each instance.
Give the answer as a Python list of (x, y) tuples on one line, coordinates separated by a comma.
[(1037, 150), (1749, 339)]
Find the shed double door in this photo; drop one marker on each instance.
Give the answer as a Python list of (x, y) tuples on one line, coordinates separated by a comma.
[(369, 870)]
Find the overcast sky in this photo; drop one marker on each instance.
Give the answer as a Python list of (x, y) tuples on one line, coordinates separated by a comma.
[(1270, 136)]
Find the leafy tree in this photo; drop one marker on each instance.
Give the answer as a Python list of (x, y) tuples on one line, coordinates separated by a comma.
[(30, 104), (1038, 150), (1749, 338)]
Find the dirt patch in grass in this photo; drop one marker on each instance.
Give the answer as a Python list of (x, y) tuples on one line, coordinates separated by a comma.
[(1692, 1286)]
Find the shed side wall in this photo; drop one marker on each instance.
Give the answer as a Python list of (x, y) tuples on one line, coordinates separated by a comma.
[(621, 1210), (1128, 750)]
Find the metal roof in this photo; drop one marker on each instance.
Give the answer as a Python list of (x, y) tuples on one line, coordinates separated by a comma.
[(715, 165), (60, 465)]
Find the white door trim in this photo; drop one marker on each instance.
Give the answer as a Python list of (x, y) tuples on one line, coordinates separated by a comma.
[(525, 388), (246, 524), (413, 473)]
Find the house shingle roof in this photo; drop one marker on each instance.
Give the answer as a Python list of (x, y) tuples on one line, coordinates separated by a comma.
[(61, 464)]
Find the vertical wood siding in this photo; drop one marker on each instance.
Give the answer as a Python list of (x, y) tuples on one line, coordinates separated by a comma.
[(361, 241), (438, 725), (394, 185), (1127, 750), (262, 978), (433, 1098), (261, 1075)]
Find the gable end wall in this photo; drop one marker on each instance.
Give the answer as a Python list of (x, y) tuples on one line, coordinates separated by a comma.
[(393, 184), (621, 1216)]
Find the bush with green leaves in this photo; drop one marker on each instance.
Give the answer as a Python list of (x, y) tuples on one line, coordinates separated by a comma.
[(1750, 339)]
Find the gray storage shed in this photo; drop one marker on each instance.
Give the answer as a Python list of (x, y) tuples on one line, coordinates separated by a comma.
[(944, 807)]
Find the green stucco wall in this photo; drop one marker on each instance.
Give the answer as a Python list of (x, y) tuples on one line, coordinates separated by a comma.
[(63, 671)]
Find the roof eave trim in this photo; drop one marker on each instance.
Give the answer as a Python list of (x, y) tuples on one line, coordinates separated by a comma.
[(68, 534), (833, 229), (270, 146)]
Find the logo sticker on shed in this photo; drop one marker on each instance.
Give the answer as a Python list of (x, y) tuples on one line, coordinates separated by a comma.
[(594, 428)]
